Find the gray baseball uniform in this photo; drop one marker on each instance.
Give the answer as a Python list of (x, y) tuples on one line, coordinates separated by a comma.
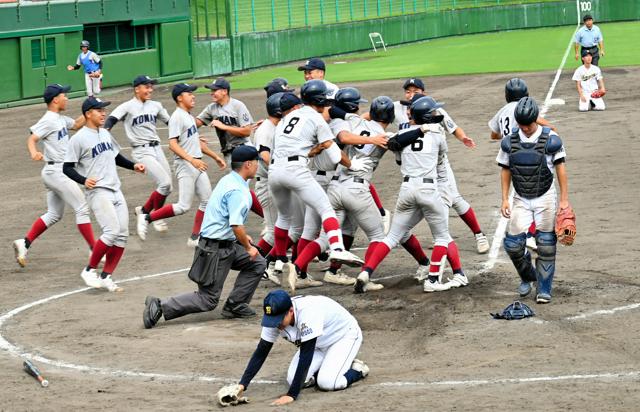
[(52, 130), (93, 152), (264, 139), (234, 113)]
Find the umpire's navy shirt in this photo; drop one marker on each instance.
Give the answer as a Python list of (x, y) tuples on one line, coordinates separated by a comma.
[(228, 206)]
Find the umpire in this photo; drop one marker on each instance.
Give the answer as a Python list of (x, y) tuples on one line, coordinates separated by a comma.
[(589, 37), (224, 245)]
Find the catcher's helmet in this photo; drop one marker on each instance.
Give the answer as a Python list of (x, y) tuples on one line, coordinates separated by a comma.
[(84, 43), (526, 111), (382, 109), (423, 110), (515, 90), (273, 105), (314, 92), (348, 99)]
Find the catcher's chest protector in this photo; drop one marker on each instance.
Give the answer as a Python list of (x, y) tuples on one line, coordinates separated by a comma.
[(528, 164)]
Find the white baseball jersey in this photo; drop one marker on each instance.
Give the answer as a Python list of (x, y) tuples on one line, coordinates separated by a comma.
[(298, 132), (401, 118), (331, 88), (426, 156), (503, 157), (182, 126), (363, 127), (140, 120), (94, 152), (264, 137), (588, 78), (314, 317), (447, 123), (234, 113), (504, 120), (53, 131)]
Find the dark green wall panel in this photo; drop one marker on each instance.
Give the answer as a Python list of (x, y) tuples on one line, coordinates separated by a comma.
[(121, 68), (175, 48), (10, 86), (211, 57)]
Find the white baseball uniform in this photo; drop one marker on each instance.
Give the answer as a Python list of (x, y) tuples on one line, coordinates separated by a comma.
[(264, 140), (234, 113), (588, 78), (504, 120)]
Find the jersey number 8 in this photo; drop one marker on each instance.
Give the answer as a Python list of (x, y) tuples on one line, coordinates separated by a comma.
[(362, 133), (289, 128)]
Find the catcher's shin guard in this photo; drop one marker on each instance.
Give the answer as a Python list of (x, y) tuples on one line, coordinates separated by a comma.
[(546, 261), (515, 245)]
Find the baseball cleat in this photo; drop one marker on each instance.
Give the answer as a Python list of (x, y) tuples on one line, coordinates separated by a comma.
[(141, 226), (386, 221), (271, 275), (524, 289), (361, 367), (482, 243), (345, 257), (531, 243), (435, 286), (422, 273), (20, 249), (308, 282), (108, 284), (363, 284), (338, 278), (193, 241), (543, 298), (160, 225), (278, 271), (152, 312), (90, 278), (458, 280)]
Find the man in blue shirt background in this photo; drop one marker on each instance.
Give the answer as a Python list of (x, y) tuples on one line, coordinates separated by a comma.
[(589, 37), (224, 245)]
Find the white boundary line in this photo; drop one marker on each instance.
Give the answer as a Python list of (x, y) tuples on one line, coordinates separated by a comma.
[(17, 351), (501, 227)]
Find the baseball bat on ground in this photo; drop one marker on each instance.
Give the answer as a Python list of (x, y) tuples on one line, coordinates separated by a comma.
[(32, 370)]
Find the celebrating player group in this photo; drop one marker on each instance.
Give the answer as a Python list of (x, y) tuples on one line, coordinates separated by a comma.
[(312, 162)]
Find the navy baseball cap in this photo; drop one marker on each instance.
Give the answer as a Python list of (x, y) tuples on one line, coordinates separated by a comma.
[(143, 79), (586, 51), (218, 84), (587, 17), (93, 103), (276, 305), (312, 64), (413, 99), (413, 82), (289, 100), (277, 85), (180, 88), (244, 153), (52, 90)]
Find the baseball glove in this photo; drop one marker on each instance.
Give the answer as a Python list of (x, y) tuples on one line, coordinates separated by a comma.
[(597, 94), (566, 226), (230, 396), (516, 310)]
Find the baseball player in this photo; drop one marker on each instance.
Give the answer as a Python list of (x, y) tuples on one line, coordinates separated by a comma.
[(414, 89), (590, 84), (315, 69), (91, 161), (531, 157), (191, 170), (328, 338), (140, 116), (92, 69), (53, 131), (423, 150), (300, 130)]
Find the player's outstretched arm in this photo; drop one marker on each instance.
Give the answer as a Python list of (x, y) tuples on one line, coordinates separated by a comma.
[(207, 151), (462, 136), (255, 363)]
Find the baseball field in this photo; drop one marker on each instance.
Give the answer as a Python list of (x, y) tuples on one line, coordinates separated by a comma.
[(426, 351)]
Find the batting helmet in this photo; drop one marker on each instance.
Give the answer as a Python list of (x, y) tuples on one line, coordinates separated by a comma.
[(277, 85), (84, 43), (515, 90), (273, 105), (423, 110), (382, 109), (314, 92), (526, 111), (348, 99)]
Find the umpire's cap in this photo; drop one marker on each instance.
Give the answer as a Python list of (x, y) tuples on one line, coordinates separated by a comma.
[(314, 92), (53, 90), (515, 90), (349, 99), (587, 17), (244, 153), (276, 305), (382, 110), (526, 111)]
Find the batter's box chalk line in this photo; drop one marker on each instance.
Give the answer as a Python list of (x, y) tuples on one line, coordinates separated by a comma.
[(17, 351)]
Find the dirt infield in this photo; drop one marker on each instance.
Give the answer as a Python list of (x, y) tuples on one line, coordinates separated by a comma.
[(426, 351)]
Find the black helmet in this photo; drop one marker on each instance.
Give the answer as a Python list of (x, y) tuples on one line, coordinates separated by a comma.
[(84, 43), (515, 90), (273, 105), (526, 111), (382, 110), (423, 110), (348, 99), (277, 85), (314, 92)]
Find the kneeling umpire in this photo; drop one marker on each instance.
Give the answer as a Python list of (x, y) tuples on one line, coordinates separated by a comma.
[(223, 245)]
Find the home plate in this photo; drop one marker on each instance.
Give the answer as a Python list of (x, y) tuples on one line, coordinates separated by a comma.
[(556, 102)]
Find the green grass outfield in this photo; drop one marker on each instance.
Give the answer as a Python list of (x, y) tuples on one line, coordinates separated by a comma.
[(512, 51)]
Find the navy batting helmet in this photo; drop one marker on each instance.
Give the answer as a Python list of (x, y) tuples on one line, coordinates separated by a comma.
[(348, 99), (273, 105), (314, 92), (382, 110), (84, 43), (515, 90), (526, 111), (423, 110)]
